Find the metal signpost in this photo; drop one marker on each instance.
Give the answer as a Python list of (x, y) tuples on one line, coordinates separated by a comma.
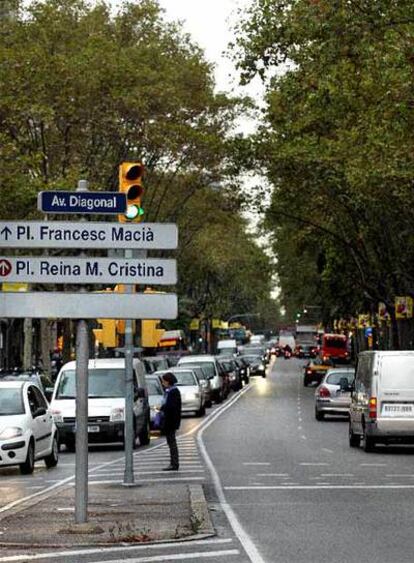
[(103, 305)]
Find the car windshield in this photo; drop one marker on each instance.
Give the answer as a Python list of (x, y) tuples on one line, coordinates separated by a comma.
[(208, 367), (154, 388), (335, 342), (11, 401), (185, 378), (102, 383), (335, 377), (252, 351)]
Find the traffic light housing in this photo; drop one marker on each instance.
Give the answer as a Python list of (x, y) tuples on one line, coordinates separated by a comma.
[(130, 183)]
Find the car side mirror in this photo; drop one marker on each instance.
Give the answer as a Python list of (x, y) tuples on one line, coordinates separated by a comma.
[(41, 411)]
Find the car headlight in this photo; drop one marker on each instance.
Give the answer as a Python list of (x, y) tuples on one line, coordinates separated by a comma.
[(261, 367), (57, 416), (117, 415), (11, 432)]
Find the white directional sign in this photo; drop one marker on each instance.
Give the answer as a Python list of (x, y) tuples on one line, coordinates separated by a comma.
[(46, 269), (55, 305), (62, 234)]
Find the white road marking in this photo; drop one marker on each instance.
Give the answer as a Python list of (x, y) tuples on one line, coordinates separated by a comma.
[(158, 480), (303, 437), (316, 487), (180, 556), (238, 529), (337, 474), (148, 472), (255, 463), (282, 475), (373, 464), (327, 450), (316, 464), (106, 550), (401, 475)]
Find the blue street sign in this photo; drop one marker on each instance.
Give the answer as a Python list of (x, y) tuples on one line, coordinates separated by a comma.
[(82, 202)]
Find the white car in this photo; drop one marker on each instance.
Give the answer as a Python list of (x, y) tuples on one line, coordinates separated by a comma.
[(192, 394), (27, 430)]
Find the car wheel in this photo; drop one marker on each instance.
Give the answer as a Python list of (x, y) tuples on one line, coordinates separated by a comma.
[(71, 445), (201, 411), (305, 382), (144, 435), (52, 459), (263, 375), (319, 415), (368, 443), (27, 466), (219, 397), (354, 439), (209, 404)]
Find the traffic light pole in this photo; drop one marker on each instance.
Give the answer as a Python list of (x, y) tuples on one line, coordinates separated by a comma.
[(129, 434)]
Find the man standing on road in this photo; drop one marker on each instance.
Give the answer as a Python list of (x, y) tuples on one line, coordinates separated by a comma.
[(171, 408)]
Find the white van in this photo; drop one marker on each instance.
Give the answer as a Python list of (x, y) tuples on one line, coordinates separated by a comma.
[(227, 347), (382, 404), (106, 402)]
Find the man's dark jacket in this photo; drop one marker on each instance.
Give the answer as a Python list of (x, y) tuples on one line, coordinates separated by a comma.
[(172, 410)]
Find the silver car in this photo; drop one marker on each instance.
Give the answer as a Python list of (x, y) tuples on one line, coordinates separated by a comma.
[(155, 396), (333, 395), (192, 393)]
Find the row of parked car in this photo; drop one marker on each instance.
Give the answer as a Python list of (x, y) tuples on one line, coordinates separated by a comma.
[(36, 418), (377, 396)]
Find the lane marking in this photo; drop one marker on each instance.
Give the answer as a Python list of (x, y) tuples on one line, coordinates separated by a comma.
[(179, 556), (158, 480), (255, 463), (105, 550), (149, 472), (310, 464), (373, 464), (327, 450), (337, 475), (315, 487), (246, 541)]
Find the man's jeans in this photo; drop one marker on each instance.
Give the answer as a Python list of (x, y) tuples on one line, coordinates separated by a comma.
[(172, 444)]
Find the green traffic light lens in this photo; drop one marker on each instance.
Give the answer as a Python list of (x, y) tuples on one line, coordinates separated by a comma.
[(133, 212)]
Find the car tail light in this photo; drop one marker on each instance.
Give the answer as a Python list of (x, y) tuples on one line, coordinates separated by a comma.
[(324, 392), (372, 408), (308, 372)]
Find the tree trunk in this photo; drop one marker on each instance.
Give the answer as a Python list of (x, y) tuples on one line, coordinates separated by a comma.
[(67, 341), (45, 343)]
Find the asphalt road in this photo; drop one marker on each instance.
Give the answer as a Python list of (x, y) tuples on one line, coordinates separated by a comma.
[(281, 486), (299, 491)]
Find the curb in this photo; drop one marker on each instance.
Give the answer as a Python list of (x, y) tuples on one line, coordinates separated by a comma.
[(200, 515)]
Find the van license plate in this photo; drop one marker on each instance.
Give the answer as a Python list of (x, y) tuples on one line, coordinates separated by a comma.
[(398, 410), (93, 428)]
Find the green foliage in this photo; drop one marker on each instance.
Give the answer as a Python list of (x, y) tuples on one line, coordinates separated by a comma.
[(337, 144)]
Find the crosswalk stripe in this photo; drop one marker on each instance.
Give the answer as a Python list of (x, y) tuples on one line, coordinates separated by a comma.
[(124, 549), (180, 556)]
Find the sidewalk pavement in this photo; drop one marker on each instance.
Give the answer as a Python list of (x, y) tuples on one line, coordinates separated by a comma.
[(116, 515)]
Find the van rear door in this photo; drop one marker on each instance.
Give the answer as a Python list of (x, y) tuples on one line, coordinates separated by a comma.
[(395, 398)]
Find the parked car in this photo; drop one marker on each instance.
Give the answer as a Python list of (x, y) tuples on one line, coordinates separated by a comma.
[(244, 369), (211, 366), (155, 363), (315, 370), (382, 404), (256, 365), (106, 402), (205, 382), (333, 395), (231, 369), (192, 394), (155, 396), (27, 430)]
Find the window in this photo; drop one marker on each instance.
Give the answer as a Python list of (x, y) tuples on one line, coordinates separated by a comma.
[(102, 383), (11, 401)]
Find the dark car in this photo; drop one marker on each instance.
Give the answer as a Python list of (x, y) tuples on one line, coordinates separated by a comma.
[(306, 351), (231, 368), (256, 365)]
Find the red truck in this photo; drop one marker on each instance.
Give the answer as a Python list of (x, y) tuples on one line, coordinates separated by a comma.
[(335, 347)]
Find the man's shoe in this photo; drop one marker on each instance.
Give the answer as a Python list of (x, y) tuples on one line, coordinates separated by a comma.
[(171, 468)]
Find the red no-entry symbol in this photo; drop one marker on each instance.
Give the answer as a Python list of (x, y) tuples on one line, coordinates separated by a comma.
[(5, 268)]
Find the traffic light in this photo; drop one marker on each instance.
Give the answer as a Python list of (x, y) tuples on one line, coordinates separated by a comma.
[(130, 183)]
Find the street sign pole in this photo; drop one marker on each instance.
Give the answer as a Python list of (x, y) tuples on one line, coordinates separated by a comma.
[(129, 435), (81, 436)]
